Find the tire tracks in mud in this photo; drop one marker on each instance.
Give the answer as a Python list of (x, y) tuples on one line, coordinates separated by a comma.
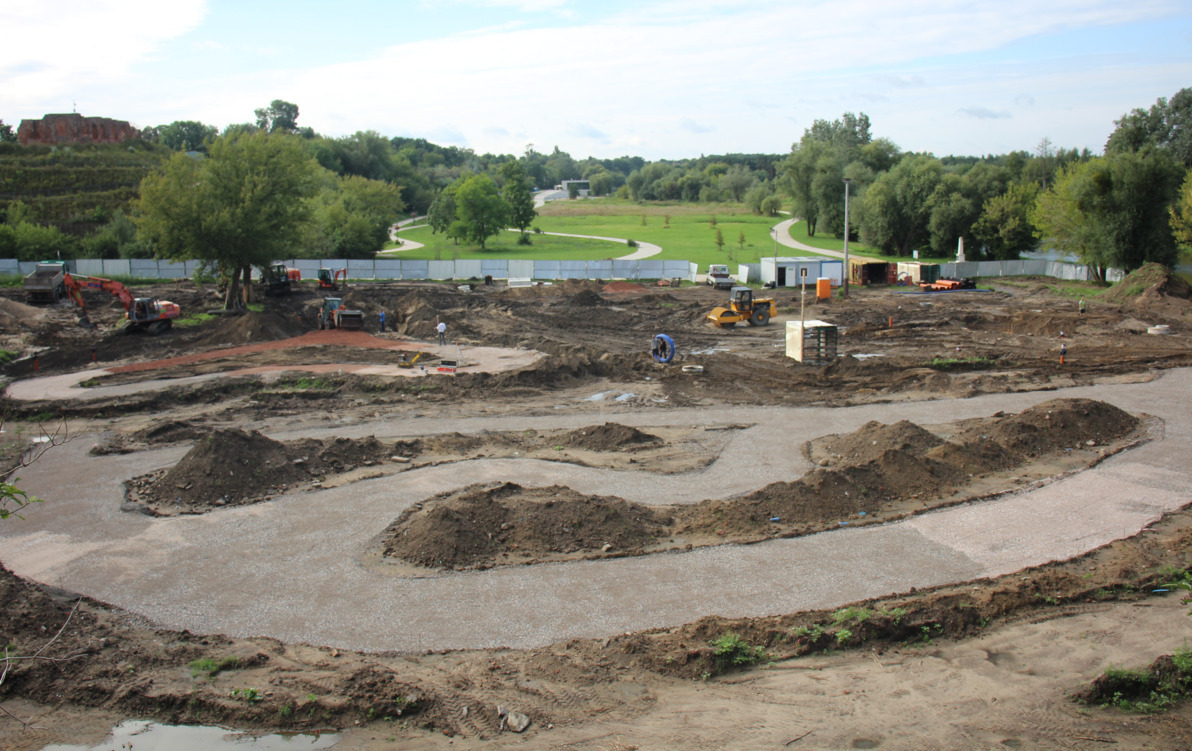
[(294, 569)]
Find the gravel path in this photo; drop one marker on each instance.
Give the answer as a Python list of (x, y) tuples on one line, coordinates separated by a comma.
[(294, 568)]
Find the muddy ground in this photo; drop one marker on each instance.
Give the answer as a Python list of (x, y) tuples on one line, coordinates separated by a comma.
[(897, 347)]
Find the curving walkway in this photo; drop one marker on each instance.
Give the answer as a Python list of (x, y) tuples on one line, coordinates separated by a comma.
[(294, 568), (783, 234)]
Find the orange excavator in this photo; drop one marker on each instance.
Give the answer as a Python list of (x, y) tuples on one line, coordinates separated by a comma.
[(329, 278), (140, 313)]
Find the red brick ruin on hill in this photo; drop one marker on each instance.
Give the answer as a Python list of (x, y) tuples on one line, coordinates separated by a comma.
[(74, 128)]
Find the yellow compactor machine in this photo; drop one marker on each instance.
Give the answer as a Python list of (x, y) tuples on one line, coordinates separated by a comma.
[(742, 307)]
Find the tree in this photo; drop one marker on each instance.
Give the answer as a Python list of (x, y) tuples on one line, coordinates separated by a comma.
[(280, 115), (799, 173), (719, 239), (634, 182), (1112, 211), (896, 209), (442, 212), (736, 182), (1167, 126), (245, 204), (7, 134), (353, 217), (27, 241), (756, 196), (1004, 228), (186, 135), (480, 211), (1181, 213)]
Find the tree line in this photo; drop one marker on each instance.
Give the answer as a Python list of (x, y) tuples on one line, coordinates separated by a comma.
[(1129, 206)]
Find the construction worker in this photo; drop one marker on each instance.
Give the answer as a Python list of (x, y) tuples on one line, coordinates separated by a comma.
[(1082, 306), (382, 322), (442, 329)]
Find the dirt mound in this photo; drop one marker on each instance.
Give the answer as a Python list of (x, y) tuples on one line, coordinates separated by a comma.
[(1148, 284), (416, 315), (1163, 679), (610, 436), (877, 473), (171, 431), (229, 466), (1054, 425), (233, 467), (620, 287), (565, 288), (18, 315), (250, 328), (585, 299), (874, 439), (480, 526)]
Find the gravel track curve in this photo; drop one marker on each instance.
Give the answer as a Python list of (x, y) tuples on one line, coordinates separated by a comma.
[(294, 568)]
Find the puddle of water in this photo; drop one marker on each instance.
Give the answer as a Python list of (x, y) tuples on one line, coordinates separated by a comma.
[(710, 351), (624, 397), (598, 397), (866, 357), (151, 736)]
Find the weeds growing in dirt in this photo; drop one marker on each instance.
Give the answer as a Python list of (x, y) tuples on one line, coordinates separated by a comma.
[(895, 614), (213, 667), (952, 363), (305, 384), (194, 320), (1180, 579), (844, 636), (810, 633), (850, 615), (250, 695), (731, 649)]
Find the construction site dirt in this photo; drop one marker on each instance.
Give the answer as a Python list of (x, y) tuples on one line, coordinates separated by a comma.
[(933, 540)]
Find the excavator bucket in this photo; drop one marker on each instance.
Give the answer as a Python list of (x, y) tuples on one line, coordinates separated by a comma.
[(351, 320)]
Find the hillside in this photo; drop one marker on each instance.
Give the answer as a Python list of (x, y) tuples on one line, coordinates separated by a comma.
[(76, 188)]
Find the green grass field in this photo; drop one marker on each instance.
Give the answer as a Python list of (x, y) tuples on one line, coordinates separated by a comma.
[(827, 242), (545, 248), (683, 231)]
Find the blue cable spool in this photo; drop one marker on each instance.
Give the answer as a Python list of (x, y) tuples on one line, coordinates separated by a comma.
[(663, 349)]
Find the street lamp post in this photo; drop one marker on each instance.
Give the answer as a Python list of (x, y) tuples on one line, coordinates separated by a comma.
[(846, 268)]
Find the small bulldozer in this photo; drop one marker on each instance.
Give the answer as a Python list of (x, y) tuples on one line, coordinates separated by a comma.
[(742, 307), (333, 315)]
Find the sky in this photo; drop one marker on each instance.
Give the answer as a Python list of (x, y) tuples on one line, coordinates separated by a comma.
[(660, 79)]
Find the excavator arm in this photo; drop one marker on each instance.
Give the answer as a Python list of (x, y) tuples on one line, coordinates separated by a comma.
[(154, 315), (76, 284)]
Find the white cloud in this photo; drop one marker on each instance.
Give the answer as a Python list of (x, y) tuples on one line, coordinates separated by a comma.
[(52, 52), (670, 78)]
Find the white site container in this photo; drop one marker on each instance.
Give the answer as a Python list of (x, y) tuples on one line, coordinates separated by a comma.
[(811, 341)]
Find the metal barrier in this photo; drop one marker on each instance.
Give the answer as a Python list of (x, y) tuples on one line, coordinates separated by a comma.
[(497, 268)]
